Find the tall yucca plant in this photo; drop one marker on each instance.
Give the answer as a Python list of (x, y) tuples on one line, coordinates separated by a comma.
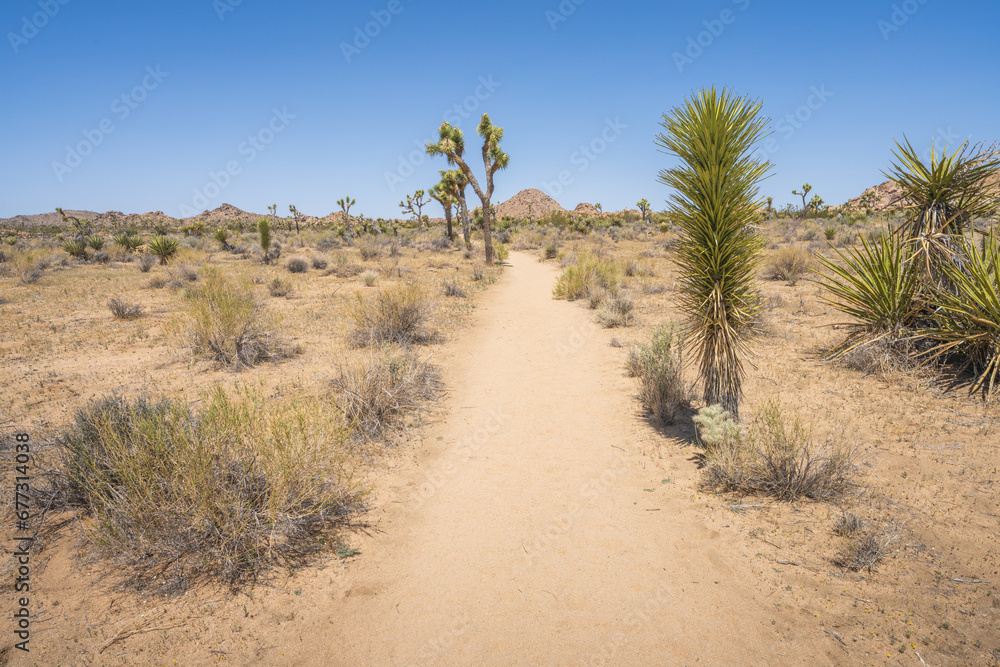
[(715, 206), (942, 198)]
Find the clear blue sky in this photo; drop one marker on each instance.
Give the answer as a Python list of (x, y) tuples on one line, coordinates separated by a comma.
[(201, 77)]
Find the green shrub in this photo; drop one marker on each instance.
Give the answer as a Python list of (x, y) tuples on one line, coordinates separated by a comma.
[(96, 242), (163, 247), (221, 492), (587, 274), (229, 324), (500, 252), (658, 367), (550, 251), (830, 232), (74, 248)]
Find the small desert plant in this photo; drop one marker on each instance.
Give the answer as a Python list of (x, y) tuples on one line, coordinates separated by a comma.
[(146, 262), (279, 287), (479, 273), (967, 317), (181, 275), (102, 257), (75, 248), (452, 287), (587, 274), (775, 456), (848, 524), (222, 236), (221, 492), (31, 276), (319, 262), (163, 247), (124, 310), (501, 252), (715, 427), (394, 315), (616, 311), (369, 278), (128, 241), (658, 367), (876, 286), (550, 251), (864, 551), (830, 232), (297, 265), (374, 392), (790, 263), (264, 234), (96, 242), (229, 324), (369, 250)]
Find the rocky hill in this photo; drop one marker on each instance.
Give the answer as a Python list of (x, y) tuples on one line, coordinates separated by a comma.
[(531, 200), (43, 219)]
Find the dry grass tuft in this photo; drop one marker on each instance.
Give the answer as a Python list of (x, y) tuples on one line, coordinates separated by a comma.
[(375, 392), (230, 325), (774, 456), (790, 263), (616, 311), (124, 310), (864, 551), (452, 287), (396, 314), (219, 493)]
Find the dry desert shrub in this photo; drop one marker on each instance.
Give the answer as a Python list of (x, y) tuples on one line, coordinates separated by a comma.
[(124, 310), (396, 314), (221, 492), (775, 456), (297, 265), (790, 263), (616, 311), (230, 324), (369, 278), (146, 262), (864, 551), (319, 262), (376, 391), (280, 288), (452, 287)]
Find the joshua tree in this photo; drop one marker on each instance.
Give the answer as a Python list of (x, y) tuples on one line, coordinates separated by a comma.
[(770, 207), (442, 194), (345, 205), (264, 229), (600, 209), (414, 204), (451, 145), (295, 214), (644, 209), (805, 191), (715, 204), (816, 203)]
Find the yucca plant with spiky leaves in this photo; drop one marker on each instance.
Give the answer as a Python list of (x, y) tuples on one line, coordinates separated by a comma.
[(942, 198), (451, 144), (715, 206), (876, 285), (128, 240), (163, 247), (967, 317)]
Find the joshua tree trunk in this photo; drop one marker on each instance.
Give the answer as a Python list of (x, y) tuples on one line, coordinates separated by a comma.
[(463, 213)]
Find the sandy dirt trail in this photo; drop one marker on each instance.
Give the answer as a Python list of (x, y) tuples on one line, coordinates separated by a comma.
[(535, 527)]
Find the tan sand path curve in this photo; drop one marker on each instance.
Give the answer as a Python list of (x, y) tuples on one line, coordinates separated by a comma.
[(524, 534)]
